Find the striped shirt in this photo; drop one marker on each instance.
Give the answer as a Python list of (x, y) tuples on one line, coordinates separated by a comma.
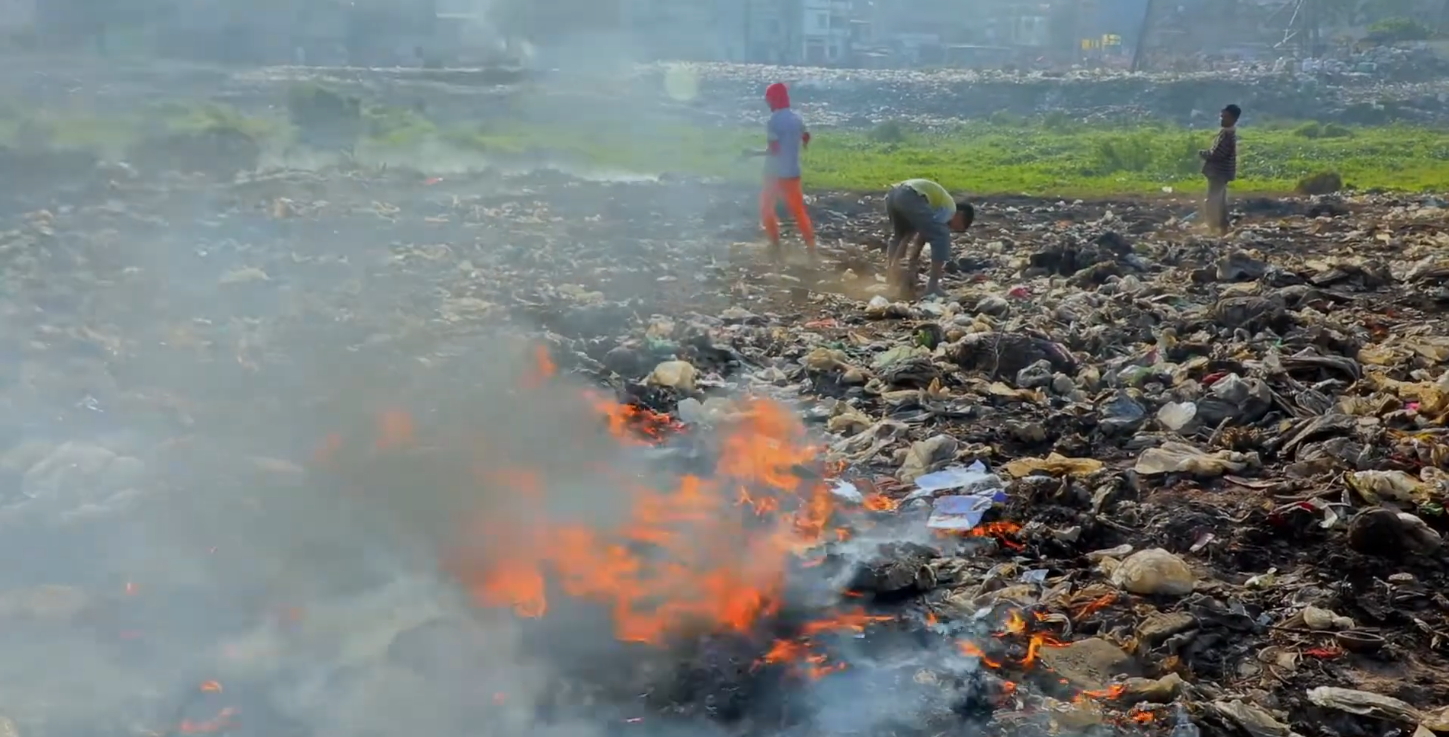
[(1221, 162)]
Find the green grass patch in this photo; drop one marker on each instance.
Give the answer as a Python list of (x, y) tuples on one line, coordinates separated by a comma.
[(1049, 156), (1053, 154)]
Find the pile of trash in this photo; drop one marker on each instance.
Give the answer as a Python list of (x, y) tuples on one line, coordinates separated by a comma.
[(1214, 468), (1308, 91), (1379, 87), (1132, 477), (1399, 63)]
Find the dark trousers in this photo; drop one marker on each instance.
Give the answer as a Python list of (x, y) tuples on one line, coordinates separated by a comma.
[(1215, 209)]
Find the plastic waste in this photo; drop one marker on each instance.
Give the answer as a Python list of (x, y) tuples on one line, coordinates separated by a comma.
[(879, 307), (1053, 465), (1176, 415), (825, 359), (960, 513), (848, 492), (1395, 485), (1364, 703), (1121, 413), (969, 478), (1174, 457), (1037, 576), (690, 411), (1182, 723), (1154, 571), (1252, 719), (677, 374)]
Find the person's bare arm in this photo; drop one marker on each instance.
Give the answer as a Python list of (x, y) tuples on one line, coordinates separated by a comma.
[(905, 278), (772, 146), (918, 244), (894, 249)]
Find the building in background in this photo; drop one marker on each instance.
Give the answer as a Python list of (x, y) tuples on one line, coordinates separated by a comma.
[(773, 31), (686, 30), (17, 17), (908, 33), (826, 31)]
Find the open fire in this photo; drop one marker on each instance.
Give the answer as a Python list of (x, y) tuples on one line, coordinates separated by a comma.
[(706, 554)]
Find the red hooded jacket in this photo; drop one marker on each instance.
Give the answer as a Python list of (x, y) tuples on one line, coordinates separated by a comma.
[(778, 98)]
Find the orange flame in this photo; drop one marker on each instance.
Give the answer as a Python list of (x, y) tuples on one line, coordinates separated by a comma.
[(394, 430), (211, 686), (798, 653), (1097, 604), (326, 451), (785, 651), (1008, 688), (1143, 717), (544, 364), (1015, 625), (1039, 641), (970, 649), (684, 556), (220, 723), (1018, 625), (625, 420), (1111, 692), (543, 369), (1000, 531), (852, 621), (880, 503), (520, 588), (818, 669)]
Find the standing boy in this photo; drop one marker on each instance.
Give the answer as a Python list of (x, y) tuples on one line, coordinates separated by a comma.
[(924, 212), (1220, 166), (786, 136)]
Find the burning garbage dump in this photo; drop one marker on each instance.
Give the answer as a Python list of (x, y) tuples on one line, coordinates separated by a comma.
[(708, 567), (758, 548), (1123, 480)]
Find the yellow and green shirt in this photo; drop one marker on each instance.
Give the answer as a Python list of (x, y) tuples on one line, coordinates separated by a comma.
[(937, 196)]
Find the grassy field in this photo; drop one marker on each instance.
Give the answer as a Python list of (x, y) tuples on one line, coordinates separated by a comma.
[(1047, 156), (1028, 158)]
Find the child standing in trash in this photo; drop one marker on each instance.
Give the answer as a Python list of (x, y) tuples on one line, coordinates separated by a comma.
[(786, 137), (1220, 166), (922, 212)]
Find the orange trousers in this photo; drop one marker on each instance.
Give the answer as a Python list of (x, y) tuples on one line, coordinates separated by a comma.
[(788, 190)]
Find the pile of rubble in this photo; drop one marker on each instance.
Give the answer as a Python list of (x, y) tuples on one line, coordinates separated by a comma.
[(1379, 87), (1408, 63), (1126, 477), (1220, 464), (1375, 89), (1321, 91)]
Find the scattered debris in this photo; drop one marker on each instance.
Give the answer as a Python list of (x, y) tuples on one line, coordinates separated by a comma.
[(1117, 478)]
